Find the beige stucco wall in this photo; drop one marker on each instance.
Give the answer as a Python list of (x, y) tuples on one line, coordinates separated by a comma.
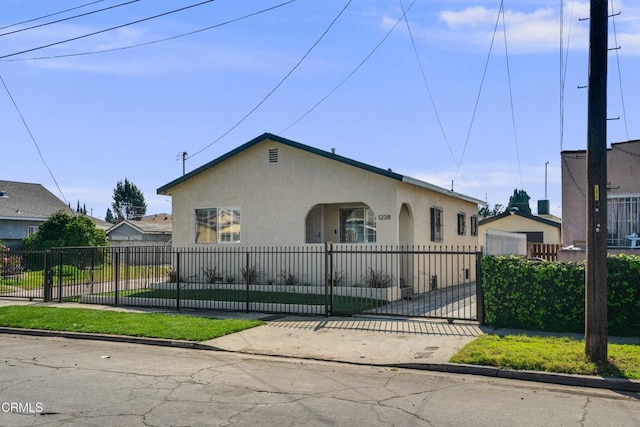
[(516, 223), (623, 177), (275, 199)]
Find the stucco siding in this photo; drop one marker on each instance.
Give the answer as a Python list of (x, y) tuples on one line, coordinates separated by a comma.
[(275, 199)]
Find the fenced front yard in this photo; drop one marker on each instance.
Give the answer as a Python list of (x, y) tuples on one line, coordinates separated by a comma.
[(312, 279)]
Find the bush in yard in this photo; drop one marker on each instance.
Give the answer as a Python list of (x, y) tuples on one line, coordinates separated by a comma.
[(550, 296), (64, 230), (9, 264)]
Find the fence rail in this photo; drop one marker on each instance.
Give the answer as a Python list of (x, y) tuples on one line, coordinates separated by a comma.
[(330, 279)]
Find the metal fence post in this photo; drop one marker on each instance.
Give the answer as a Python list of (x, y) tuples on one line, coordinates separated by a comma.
[(246, 280), (60, 275), (328, 282), (48, 276), (116, 272), (178, 280), (479, 294)]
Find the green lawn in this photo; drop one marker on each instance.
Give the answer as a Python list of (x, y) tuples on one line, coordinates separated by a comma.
[(548, 354), (154, 325)]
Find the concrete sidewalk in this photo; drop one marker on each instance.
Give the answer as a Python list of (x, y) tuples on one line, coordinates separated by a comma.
[(379, 341)]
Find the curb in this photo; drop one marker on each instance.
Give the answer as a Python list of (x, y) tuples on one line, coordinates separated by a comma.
[(615, 384), (111, 338)]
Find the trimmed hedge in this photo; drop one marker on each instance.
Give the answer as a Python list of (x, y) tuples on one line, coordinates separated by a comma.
[(550, 296)]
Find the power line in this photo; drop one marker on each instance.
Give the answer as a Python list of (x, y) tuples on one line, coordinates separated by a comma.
[(366, 58), (109, 29), (32, 138), (279, 84), (484, 74), (426, 84), (615, 36), (51, 14), (513, 115), (68, 18), (153, 41)]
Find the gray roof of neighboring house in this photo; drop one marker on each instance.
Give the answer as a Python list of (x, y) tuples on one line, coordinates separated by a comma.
[(146, 226), (268, 136), (26, 201)]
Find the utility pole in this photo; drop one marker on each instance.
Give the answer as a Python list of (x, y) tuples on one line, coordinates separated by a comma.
[(596, 268)]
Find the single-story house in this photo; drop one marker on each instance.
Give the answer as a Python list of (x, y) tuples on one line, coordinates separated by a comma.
[(272, 191), (623, 197), (541, 228), (151, 229), (275, 192), (23, 207)]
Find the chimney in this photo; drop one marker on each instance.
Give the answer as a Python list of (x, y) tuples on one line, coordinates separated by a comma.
[(543, 207)]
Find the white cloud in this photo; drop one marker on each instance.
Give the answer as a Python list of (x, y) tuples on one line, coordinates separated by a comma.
[(530, 27)]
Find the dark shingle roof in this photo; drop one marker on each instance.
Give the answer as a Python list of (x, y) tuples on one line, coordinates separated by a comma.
[(21, 200)]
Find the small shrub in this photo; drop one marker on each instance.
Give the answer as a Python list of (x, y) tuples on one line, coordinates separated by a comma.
[(230, 280), (250, 275), (377, 279), (335, 278), (211, 275), (289, 278), (174, 277), (10, 265)]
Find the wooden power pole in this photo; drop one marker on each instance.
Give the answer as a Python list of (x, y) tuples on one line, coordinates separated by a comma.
[(596, 269)]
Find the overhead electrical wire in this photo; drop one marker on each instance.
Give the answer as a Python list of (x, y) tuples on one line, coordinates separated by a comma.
[(513, 114), (69, 18), (484, 74), (426, 84), (306, 54), (366, 58), (32, 138), (152, 41), (564, 59), (51, 14), (109, 29), (615, 36)]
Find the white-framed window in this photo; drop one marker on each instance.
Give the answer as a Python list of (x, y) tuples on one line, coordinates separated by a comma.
[(435, 216), (357, 225), (623, 219), (462, 223), (218, 225), (32, 229)]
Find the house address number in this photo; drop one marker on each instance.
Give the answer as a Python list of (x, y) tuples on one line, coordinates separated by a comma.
[(384, 217)]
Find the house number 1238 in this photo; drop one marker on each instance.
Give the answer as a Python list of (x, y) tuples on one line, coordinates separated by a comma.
[(384, 217)]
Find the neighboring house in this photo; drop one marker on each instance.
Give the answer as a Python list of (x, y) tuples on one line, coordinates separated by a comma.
[(514, 232), (537, 228), (272, 191), (623, 197), (151, 229), (23, 207)]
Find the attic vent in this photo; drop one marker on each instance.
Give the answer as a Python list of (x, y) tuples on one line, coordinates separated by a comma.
[(3, 194), (273, 155)]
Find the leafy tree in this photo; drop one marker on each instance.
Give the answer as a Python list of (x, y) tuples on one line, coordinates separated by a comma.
[(486, 212), (128, 201), (109, 216), (62, 229), (520, 200)]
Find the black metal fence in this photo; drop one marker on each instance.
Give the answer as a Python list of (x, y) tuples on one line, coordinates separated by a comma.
[(313, 279)]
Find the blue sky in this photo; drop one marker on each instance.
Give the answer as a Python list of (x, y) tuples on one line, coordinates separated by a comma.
[(432, 101)]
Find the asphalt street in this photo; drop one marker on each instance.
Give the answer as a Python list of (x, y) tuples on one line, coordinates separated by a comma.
[(57, 381)]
